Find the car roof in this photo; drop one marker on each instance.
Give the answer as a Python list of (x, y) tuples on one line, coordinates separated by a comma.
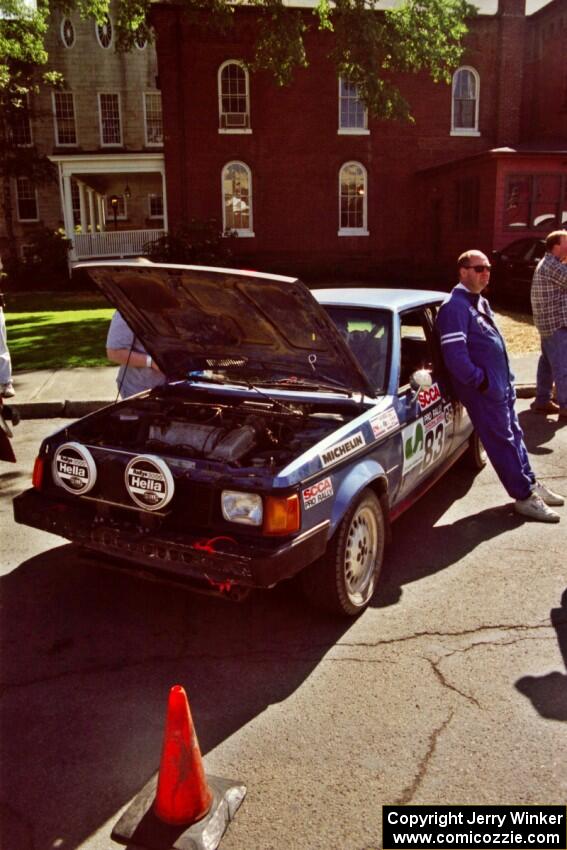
[(395, 300)]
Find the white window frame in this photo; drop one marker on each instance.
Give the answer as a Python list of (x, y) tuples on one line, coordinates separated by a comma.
[(27, 199), (100, 44), (150, 214), (247, 126), (109, 212), (55, 124), (148, 143), (355, 231), (465, 131), (102, 142), (351, 131), (241, 231), (61, 33)]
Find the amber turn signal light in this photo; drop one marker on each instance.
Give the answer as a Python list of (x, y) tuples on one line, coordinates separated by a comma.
[(281, 514), (37, 477)]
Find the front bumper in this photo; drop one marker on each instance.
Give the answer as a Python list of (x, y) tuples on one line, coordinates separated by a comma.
[(217, 560)]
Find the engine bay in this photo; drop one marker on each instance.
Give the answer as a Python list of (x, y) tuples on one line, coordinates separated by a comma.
[(254, 433)]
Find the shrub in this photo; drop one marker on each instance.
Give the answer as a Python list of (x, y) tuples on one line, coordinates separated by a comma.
[(200, 243)]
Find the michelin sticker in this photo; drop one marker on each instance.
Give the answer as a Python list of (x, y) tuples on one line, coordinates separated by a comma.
[(74, 469), (413, 441), (317, 493), (343, 449), (428, 396), (384, 423), (149, 482)]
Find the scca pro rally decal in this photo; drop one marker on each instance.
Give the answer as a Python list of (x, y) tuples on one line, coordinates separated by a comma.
[(74, 469), (429, 396), (317, 493), (149, 482), (384, 423), (347, 447)]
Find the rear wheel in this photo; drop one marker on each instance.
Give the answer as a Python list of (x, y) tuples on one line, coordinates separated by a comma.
[(344, 579)]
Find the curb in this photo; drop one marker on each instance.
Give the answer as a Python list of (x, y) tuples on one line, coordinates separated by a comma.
[(76, 409)]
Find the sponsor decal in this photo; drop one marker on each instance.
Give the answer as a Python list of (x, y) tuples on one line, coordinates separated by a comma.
[(149, 482), (433, 416), (74, 469), (384, 423), (343, 449), (434, 442), (413, 440), (428, 396), (449, 414), (317, 493)]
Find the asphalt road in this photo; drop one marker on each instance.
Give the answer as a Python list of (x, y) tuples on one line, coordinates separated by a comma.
[(451, 688)]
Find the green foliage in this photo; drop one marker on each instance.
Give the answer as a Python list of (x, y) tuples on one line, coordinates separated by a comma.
[(200, 242), (45, 262)]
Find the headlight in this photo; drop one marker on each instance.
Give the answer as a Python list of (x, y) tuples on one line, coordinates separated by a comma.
[(245, 508)]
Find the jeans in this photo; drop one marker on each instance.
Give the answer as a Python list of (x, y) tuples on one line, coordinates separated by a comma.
[(552, 366)]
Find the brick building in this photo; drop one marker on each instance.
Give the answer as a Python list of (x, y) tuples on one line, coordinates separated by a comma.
[(103, 131), (312, 186)]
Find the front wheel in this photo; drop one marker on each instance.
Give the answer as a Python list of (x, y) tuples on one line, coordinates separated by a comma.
[(343, 580), (475, 456)]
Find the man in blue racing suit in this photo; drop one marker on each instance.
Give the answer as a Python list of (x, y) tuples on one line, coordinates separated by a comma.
[(475, 356)]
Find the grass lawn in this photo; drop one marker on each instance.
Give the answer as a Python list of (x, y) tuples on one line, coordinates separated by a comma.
[(57, 330)]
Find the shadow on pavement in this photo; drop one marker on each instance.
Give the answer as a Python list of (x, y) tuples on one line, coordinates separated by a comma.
[(419, 548), (548, 694), (539, 430), (88, 658)]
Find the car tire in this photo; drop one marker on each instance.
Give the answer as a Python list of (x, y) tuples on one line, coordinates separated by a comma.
[(343, 580), (475, 456)]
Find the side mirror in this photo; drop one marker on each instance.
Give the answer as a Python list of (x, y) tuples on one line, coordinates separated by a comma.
[(420, 380)]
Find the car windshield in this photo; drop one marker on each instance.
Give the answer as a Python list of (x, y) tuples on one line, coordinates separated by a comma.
[(367, 334)]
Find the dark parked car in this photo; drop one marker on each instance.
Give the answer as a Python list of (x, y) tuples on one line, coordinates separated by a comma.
[(294, 428), (513, 269)]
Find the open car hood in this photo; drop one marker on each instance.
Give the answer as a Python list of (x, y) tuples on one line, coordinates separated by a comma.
[(253, 324)]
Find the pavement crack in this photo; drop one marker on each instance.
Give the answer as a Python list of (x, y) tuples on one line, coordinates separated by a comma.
[(446, 684), (410, 791), (508, 627)]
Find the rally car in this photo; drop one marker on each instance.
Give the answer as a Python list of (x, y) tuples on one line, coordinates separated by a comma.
[(294, 427)]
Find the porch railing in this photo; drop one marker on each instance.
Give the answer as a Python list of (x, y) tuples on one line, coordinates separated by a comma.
[(113, 243)]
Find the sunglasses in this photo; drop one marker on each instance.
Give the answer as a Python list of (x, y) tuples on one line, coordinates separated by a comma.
[(479, 269)]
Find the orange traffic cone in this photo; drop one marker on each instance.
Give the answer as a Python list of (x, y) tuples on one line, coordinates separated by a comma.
[(183, 795)]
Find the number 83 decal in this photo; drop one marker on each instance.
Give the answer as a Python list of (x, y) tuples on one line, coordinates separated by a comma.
[(433, 444)]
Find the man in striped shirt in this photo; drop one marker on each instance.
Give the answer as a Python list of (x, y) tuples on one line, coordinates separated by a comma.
[(549, 305), (475, 355)]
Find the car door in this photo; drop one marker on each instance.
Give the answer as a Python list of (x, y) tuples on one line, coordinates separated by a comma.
[(427, 415)]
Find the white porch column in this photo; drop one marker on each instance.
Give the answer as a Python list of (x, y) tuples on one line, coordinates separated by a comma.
[(92, 219), (164, 196), (83, 206), (100, 210), (68, 207)]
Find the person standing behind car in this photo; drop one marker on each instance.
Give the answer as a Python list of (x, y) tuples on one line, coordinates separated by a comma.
[(6, 387), (477, 361), (549, 306), (137, 370)]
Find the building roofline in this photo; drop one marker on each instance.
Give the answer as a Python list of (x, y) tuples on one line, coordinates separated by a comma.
[(497, 153)]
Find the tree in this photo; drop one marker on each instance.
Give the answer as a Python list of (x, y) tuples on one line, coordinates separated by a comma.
[(22, 56)]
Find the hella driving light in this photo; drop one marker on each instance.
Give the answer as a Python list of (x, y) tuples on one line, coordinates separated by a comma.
[(245, 508)]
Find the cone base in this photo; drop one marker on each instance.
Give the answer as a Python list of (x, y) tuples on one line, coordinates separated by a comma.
[(139, 824)]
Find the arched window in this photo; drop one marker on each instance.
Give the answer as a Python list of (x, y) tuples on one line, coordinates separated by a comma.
[(353, 114), (353, 195), (237, 198), (104, 32), (464, 106), (234, 98)]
